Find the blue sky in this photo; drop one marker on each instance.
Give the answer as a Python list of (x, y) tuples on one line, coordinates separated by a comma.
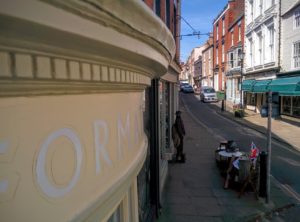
[(200, 15)]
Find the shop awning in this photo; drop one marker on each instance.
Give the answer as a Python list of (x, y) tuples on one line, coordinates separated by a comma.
[(286, 86), (247, 85), (261, 86)]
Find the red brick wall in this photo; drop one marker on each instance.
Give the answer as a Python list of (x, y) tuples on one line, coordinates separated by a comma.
[(221, 66), (149, 3), (173, 17), (235, 10)]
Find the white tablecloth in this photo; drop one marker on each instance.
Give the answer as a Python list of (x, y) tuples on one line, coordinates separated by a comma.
[(223, 153)]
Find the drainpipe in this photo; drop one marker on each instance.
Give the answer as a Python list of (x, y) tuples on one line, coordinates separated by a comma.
[(279, 48), (279, 33)]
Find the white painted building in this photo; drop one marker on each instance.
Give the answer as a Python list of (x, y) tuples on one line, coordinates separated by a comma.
[(290, 55), (262, 37)]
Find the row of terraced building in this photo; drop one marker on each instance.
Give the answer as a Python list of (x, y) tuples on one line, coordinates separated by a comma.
[(254, 48)]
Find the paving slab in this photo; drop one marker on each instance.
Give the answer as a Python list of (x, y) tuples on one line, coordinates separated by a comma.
[(194, 190)]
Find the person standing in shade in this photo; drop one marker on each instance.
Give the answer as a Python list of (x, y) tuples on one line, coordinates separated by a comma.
[(179, 126)]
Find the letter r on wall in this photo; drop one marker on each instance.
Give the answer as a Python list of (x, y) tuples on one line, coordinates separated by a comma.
[(100, 146)]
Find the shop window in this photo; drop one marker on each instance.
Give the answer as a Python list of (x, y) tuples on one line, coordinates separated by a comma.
[(296, 106), (143, 183), (167, 115), (117, 215), (161, 119), (252, 99), (286, 105)]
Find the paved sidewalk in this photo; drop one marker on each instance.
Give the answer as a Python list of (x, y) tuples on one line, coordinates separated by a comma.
[(282, 129), (194, 190)]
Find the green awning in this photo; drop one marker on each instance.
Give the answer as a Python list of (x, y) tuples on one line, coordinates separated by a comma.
[(261, 86), (286, 86), (247, 85)]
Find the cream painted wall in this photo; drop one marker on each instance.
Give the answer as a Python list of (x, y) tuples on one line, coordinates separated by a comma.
[(72, 75), (63, 156)]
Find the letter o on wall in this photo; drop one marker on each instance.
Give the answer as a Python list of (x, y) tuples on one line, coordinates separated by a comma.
[(47, 187)]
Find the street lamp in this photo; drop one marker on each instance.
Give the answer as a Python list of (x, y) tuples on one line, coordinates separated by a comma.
[(241, 58)]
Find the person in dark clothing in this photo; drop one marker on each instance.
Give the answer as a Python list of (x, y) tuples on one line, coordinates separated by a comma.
[(181, 133)]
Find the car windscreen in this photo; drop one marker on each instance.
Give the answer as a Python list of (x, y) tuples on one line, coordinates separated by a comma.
[(209, 90)]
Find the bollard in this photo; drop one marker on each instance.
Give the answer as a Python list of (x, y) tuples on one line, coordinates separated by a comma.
[(263, 174)]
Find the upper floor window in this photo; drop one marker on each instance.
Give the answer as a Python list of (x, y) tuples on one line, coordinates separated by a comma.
[(271, 42), (239, 53), (168, 14), (231, 60), (223, 26), (157, 7), (217, 32), (223, 53), (259, 48), (217, 56), (232, 38), (260, 6), (269, 3), (250, 12), (240, 33), (250, 52), (296, 55), (297, 18)]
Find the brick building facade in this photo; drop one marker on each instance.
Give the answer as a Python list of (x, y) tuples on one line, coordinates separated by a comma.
[(235, 52), (225, 37)]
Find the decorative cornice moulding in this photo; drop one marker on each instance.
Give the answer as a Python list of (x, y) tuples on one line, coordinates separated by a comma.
[(24, 73), (82, 41)]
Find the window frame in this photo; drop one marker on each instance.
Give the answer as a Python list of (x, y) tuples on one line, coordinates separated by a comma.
[(297, 57), (240, 33), (223, 26), (271, 45), (223, 53), (296, 18), (232, 37), (251, 62), (259, 38), (217, 55)]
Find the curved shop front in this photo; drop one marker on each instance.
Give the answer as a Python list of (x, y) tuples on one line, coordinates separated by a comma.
[(72, 107)]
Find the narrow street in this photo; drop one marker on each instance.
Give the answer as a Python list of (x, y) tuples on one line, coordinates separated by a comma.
[(285, 161)]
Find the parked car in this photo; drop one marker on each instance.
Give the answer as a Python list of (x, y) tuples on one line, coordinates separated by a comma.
[(182, 85), (208, 94), (188, 89)]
